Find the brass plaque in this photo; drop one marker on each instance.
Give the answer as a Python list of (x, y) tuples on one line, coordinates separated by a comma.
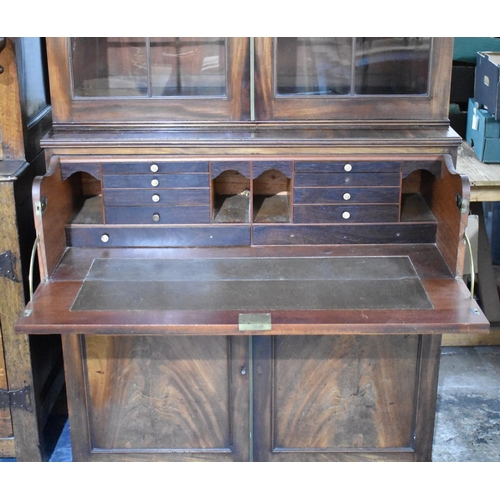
[(258, 322)]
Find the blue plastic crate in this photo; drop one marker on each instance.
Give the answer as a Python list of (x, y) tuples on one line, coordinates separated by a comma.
[(483, 133)]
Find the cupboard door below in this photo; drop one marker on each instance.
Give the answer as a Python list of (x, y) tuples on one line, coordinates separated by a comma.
[(336, 397), (164, 398)]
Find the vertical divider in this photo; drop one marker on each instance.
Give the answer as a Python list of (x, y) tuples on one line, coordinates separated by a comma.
[(250, 402), (252, 78), (149, 66)]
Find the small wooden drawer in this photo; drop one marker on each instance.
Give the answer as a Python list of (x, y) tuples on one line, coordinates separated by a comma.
[(158, 215), (346, 179), (154, 197), (349, 214), (347, 166), (153, 167), (145, 181), (342, 195)]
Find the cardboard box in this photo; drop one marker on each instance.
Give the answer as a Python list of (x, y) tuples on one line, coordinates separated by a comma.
[(487, 82), (483, 133)]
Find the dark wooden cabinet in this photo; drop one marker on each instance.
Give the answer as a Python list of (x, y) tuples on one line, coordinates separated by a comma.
[(259, 269), (31, 370)]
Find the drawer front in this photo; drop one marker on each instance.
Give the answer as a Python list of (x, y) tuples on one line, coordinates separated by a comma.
[(148, 180), (348, 214), (168, 236), (342, 195), (156, 197), (347, 166), (157, 215), (154, 167), (343, 234), (346, 179)]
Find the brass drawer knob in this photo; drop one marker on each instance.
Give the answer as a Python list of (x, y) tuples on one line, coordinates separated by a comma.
[(154, 168), (156, 217), (155, 182), (346, 196), (346, 215), (155, 198), (347, 167)]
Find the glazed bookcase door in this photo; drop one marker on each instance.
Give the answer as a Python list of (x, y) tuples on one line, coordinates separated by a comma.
[(125, 80), (349, 79)]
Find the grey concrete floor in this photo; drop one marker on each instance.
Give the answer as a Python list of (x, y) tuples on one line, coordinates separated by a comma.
[(468, 407)]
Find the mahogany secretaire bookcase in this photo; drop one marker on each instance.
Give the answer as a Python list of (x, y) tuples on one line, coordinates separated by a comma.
[(251, 246)]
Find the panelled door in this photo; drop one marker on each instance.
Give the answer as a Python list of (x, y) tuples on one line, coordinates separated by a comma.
[(344, 398), (158, 398), (267, 398)]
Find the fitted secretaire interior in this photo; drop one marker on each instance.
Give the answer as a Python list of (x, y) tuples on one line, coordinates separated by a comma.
[(287, 206)]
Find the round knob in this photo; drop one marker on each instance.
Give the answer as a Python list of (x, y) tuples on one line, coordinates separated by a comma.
[(154, 167), (346, 215), (155, 198), (156, 217), (347, 167), (155, 182), (105, 238), (346, 196)]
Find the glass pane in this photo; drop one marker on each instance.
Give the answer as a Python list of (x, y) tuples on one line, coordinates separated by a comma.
[(32, 81), (392, 65), (109, 66), (188, 66), (313, 66)]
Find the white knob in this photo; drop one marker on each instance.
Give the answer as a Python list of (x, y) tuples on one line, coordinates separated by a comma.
[(347, 167), (155, 182), (155, 198), (346, 215), (346, 196), (154, 167), (105, 238), (156, 217)]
